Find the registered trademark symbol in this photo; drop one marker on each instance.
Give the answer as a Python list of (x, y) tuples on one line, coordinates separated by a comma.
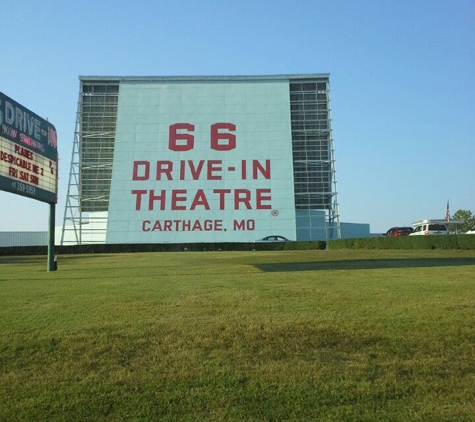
[(275, 213)]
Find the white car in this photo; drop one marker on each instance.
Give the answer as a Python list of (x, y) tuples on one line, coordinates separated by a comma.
[(471, 231), (427, 227)]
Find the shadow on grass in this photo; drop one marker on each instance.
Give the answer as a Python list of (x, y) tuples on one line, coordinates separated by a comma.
[(35, 259), (364, 264)]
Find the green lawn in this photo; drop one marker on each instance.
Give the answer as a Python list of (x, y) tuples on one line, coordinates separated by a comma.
[(345, 335)]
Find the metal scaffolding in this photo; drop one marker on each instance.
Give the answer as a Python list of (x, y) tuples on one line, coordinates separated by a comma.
[(313, 153), (91, 162)]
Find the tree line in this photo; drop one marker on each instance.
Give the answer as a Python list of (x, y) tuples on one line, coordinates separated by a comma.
[(467, 216)]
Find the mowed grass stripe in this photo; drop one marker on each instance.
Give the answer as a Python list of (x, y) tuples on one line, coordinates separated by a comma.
[(281, 335)]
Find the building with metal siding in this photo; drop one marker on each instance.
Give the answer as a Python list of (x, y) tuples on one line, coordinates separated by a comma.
[(281, 121), (8, 239)]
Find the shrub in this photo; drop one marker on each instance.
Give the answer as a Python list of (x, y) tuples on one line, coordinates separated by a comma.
[(460, 241)]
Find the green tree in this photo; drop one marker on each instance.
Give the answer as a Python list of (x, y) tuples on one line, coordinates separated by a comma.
[(466, 216)]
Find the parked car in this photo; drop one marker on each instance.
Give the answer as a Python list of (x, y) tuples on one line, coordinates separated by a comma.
[(399, 231), (471, 231), (426, 227), (273, 239)]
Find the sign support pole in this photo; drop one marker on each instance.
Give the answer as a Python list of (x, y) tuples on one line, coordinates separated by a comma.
[(52, 263)]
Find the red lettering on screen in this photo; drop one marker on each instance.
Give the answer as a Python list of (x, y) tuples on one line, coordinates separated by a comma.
[(263, 195), (164, 167), (195, 171), (182, 199), (181, 141), (160, 198), (257, 168), (214, 170), (182, 225), (223, 141), (183, 169), (141, 170), (185, 141), (178, 196), (200, 200), (221, 193), (138, 198), (242, 196)]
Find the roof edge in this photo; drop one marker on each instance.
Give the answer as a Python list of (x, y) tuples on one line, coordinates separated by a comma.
[(203, 78)]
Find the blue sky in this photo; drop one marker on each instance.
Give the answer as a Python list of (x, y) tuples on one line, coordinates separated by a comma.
[(402, 80)]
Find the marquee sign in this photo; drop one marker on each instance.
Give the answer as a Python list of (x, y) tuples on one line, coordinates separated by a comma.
[(28, 153)]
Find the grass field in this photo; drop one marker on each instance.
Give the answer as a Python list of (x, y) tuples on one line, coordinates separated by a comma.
[(342, 335)]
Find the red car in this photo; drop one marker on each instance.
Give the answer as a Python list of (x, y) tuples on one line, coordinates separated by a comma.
[(399, 231)]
